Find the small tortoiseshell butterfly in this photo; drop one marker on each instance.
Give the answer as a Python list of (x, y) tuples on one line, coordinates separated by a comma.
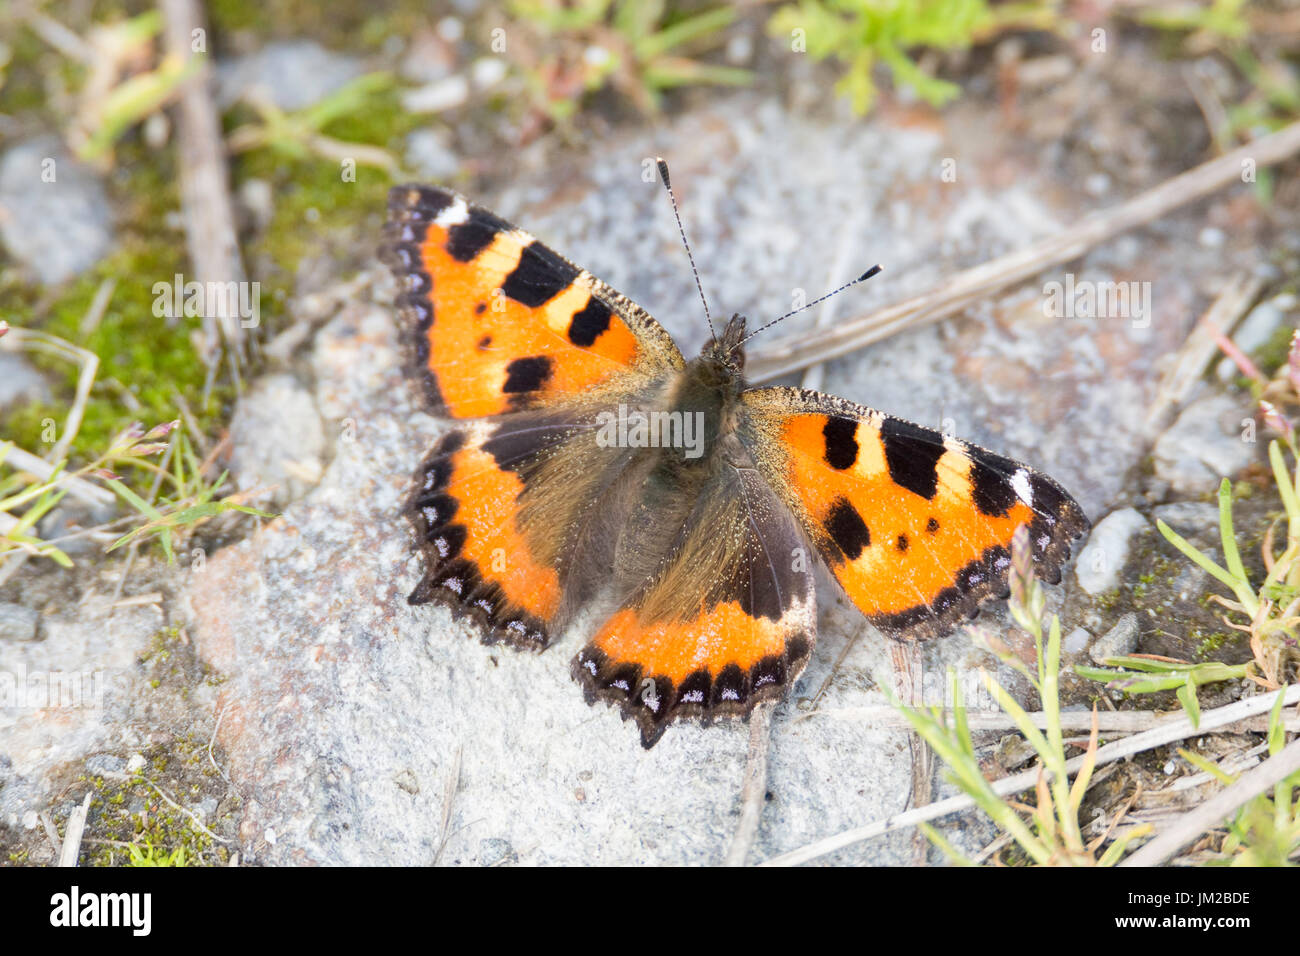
[(598, 463)]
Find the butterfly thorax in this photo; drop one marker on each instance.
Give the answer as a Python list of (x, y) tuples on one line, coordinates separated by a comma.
[(707, 392)]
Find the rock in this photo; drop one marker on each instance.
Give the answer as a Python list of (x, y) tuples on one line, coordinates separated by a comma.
[(18, 623), (1204, 445), (1188, 517), (80, 692), (19, 382), (276, 438), (291, 74), (487, 72), (72, 516), (55, 218), (406, 780), (429, 153), (430, 56), (444, 94), (105, 763), (1076, 642), (257, 202), (1119, 641), (1255, 330), (1104, 556)]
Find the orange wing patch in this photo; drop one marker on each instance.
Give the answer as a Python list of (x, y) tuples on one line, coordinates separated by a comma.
[(464, 509), (915, 526), (496, 321), (721, 663)]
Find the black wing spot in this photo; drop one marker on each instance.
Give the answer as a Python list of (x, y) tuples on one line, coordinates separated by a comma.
[(847, 529), (902, 542), (527, 374), (590, 323), (841, 442), (990, 479), (540, 276), (484, 342), (480, 308), (932, 525), (467, 239), (913, 454)]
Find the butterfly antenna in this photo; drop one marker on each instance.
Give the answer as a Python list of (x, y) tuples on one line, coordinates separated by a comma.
[(663, 174), (848, 285)]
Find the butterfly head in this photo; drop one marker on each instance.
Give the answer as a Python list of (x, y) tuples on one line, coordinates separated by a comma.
[(725, 351)]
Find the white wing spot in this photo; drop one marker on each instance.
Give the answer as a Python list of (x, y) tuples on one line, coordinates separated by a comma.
[(1024, 491), (453, 215)]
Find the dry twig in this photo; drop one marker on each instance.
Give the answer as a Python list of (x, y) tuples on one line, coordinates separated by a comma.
[(755, 785), (1213, 811), (797, 349), (1148, 740), (210, 234)]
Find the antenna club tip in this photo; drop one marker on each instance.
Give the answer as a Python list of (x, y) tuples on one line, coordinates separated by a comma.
[(869, 273), (662, 165)]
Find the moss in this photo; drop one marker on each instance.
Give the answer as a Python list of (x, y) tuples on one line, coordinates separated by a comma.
[(160, 645), (1209, 643), (158, 830), (314, 205), (144, 361), (343, 28), (1270, 356)]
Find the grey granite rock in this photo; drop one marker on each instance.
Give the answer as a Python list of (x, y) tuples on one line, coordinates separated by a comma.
[(1120, 640), (429, 153), (1256, 329), (19, 382), (18, 623), (292, 74), (54, 214), (1209, 441), (276, 438), (1103, 557), (1188, 517), (71, 695)]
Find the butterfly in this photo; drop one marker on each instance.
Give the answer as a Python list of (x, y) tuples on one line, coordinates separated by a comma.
[(593, 466)]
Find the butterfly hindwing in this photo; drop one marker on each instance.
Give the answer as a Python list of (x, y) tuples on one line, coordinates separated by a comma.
[(716, 616), (497, 322), (518, 518), (916, 526)]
